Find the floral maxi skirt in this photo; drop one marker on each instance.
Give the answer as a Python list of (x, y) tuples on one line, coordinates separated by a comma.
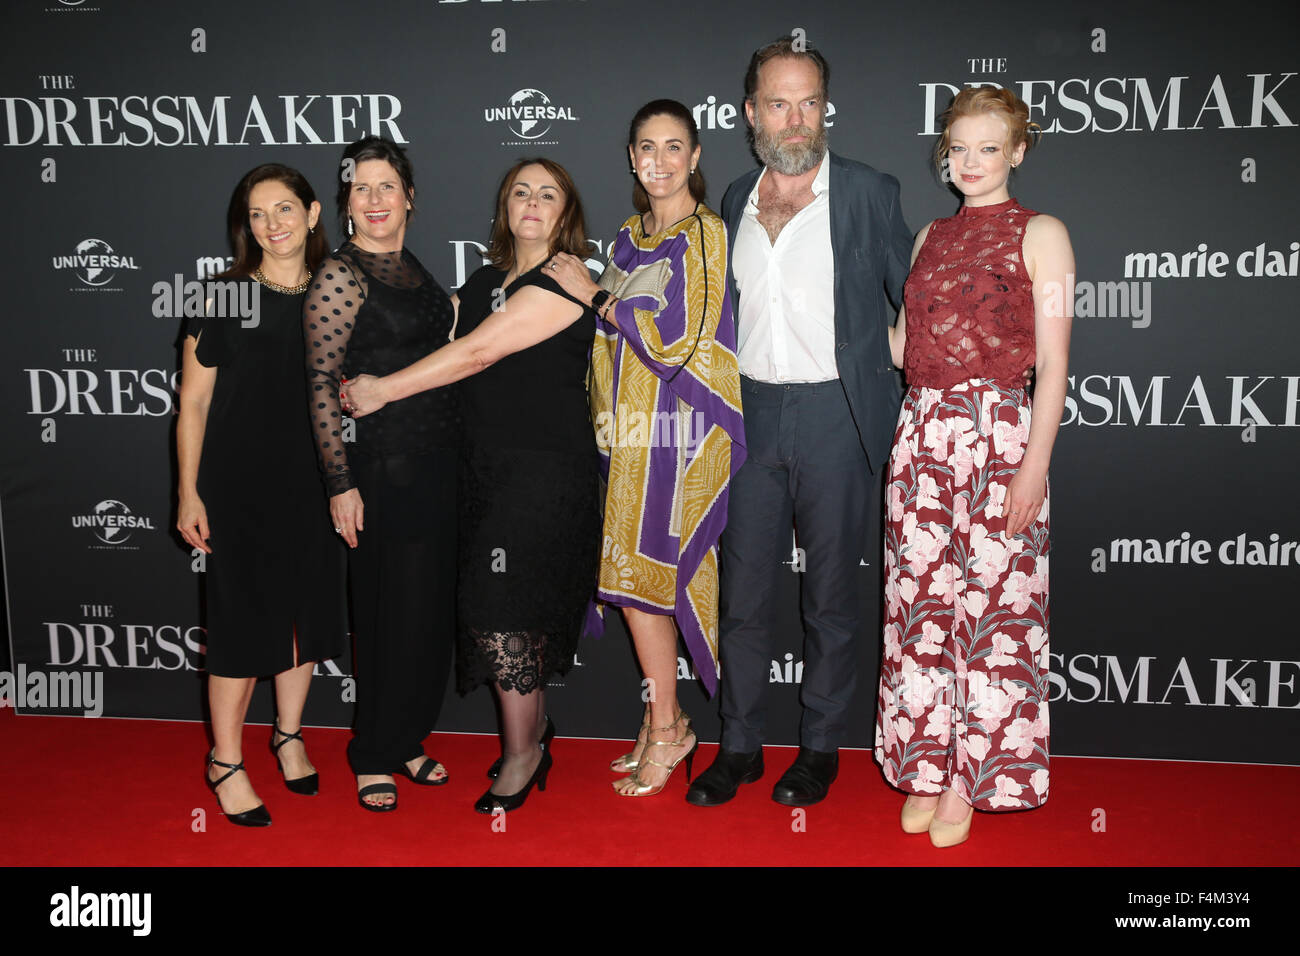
[(964, 675)]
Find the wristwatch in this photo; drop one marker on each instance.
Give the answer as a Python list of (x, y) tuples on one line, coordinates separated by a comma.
[(599, 299)]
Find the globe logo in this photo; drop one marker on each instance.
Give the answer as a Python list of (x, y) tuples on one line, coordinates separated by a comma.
[(527, 126), (94, 274), (112, 532), (95, 263), (112, 522)]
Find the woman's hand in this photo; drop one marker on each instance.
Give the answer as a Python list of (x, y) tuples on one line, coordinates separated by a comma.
[(1024, 500), (572, 275), (362, 396), (347, 512), (192, 522)]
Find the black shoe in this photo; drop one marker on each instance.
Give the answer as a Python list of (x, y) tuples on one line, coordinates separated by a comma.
[(490, 802), (547, 736), (728, 771), (372, 789), (259, 816), (809, 778), (422, 775), (309, 785)]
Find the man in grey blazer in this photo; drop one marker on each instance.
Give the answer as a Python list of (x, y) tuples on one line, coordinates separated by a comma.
[(817, 244)]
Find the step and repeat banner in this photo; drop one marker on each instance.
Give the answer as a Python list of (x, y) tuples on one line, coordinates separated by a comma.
[(1169, 152)]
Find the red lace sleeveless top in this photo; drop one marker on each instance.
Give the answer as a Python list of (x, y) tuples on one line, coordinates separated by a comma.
[(969, 300)]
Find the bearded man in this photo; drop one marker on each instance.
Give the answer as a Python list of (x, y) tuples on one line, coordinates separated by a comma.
[(818, 241)]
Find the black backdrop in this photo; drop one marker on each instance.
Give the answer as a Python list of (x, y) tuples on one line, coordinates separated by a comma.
[(1169, 132)]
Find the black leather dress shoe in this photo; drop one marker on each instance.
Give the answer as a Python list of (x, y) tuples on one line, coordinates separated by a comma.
[(720, 782), (809, 778)]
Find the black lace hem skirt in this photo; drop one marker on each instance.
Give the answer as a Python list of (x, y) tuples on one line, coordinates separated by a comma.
[(530, 528)]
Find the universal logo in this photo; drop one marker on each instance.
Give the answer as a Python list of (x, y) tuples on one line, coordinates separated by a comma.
[(113, 524), (72, 6), (529, 115), (95, 263)]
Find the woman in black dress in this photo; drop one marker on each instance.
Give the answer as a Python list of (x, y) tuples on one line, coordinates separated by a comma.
[(529, 512), (250, 497), (392, 485)]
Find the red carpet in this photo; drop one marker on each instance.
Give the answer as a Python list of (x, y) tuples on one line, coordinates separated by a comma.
[(85, 792)]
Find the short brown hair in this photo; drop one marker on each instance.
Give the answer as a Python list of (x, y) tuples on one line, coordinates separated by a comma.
[(364, 149), (1001, 102), (784, 47), (570, 232)]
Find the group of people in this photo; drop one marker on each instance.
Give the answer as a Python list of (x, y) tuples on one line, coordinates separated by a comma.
[(500, 464)]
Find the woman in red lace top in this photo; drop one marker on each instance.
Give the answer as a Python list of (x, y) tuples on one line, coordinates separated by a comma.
[(962, 715)]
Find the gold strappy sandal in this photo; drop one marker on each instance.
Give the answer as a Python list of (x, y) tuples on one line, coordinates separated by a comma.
[(649, 790)]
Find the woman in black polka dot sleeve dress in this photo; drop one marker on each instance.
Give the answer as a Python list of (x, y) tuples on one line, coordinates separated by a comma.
[(391, 477)]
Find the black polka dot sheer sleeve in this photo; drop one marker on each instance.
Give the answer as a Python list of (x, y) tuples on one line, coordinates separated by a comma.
[(329, 319)]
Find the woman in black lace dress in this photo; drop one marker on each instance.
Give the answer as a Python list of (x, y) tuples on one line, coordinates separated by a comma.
[(529, 514), (392, 484)]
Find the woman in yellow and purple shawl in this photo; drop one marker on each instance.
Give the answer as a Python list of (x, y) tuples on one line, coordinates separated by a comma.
[(665, 398)]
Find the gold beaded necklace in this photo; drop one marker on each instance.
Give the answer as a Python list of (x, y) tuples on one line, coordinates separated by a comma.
[(298, 289)]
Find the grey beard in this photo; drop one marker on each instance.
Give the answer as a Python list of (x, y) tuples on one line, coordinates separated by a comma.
[(790, 159)]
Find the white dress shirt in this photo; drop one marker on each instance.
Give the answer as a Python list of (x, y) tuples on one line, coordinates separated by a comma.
[(786, 320)]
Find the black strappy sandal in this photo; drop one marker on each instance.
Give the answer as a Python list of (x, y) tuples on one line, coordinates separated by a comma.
[(422, 775), (259, 816), (309, 785), (374, 788)]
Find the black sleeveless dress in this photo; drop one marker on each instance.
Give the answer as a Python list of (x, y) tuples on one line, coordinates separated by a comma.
[(528, 498), (276, 571)]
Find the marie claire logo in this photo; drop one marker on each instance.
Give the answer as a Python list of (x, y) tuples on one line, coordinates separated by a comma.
[(112, 522), (205, 267), (95, 263), (1256, 263), (712, 114), (1184, 549), (529, 115), (788, 671)]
